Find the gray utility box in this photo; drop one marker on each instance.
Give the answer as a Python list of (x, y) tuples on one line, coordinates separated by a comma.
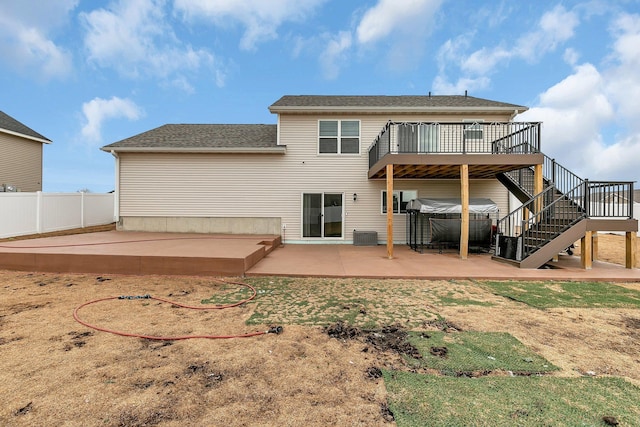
[(365, 238)]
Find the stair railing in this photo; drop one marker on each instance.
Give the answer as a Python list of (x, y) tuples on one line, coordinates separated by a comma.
[(563, 179), (512, 224), (554, 219)]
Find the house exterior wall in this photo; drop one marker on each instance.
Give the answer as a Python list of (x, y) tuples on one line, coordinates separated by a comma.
[(262, 193), (20, 162)]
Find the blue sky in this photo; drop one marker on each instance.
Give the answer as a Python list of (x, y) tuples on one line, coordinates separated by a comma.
[(89, 73)]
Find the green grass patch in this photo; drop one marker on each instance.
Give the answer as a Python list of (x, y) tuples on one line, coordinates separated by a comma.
[(469, 352), (365, 303), (427, 400), (229, 294), (567, 294)]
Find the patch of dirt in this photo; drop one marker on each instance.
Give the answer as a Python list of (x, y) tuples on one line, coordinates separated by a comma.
[(388, 338), (439, 351), (441, 324)]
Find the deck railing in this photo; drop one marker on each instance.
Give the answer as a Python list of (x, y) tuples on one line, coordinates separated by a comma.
[(455, 138)]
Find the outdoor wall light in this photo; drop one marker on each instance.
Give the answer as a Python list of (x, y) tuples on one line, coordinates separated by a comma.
[(355, 197)]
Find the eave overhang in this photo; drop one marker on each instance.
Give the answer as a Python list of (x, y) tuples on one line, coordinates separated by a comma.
[(22, 135), (395, 110), (192, 150)]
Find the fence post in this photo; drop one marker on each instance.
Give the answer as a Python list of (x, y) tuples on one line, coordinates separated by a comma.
[(39, 215), (82, 209)]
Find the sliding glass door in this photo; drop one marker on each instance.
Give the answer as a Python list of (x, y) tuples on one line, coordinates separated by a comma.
[(322, 215)]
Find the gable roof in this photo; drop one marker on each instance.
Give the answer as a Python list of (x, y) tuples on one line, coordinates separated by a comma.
[(396, 103), (202, 138), (10, 125)]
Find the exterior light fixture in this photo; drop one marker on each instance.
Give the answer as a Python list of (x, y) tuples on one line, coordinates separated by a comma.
[(355, 197)]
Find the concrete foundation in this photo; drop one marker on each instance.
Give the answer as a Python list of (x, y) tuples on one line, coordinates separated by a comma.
[(212, 225)]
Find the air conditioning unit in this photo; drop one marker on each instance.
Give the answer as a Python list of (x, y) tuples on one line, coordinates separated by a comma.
[(365, 238)]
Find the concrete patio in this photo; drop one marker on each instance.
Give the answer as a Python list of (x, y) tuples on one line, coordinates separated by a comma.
[(135, 253)]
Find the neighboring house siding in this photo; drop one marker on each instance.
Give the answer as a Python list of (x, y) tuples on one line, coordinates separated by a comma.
[(271, 185), (20, 162)]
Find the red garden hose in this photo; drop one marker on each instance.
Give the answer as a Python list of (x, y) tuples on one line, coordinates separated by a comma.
[(273, 329)]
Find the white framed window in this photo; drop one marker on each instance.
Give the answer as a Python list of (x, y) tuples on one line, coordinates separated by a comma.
[(473, 129), (400, 200), (338, 137)]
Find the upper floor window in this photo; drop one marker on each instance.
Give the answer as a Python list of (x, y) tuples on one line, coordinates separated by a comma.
[(339, 137), (473, 129)]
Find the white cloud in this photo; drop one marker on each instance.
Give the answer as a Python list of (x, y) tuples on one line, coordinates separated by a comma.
[(98, 110), (25, 40), (590, 117), (404, 26), (390, 17), (441, 85), (572, 112), (623, 76), (260, 18), (554, 28), (135, 39), (334, 56)]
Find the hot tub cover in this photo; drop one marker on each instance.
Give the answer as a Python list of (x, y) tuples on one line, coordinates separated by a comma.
[(449, 206)]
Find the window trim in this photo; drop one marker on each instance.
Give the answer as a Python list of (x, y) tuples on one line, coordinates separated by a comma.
[(339, 137), (383, 200)]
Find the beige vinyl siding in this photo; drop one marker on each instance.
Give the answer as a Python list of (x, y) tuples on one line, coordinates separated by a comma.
[(20, 162), (271, 185)]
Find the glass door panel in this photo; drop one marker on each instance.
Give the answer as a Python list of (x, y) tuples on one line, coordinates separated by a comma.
[(333, 215), (312, 215)]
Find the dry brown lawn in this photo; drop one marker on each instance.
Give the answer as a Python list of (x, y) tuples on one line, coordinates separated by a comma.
[(55, 371)]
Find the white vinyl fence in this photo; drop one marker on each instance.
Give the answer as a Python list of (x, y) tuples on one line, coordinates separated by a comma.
[(33, 213)]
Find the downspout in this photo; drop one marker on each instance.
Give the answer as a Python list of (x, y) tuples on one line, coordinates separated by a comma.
[(116, 209)]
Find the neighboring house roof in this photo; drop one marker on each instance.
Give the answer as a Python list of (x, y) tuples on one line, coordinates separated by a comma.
[(636, 196), (10, 125), (400, 103), (203, 138)]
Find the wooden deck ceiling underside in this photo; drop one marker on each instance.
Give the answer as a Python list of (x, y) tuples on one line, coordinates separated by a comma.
[(448, 166)]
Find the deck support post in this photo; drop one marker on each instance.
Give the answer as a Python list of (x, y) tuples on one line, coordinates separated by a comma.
[(464, 198), (630, 243), (390, 211), (538, 186), (586, 250)]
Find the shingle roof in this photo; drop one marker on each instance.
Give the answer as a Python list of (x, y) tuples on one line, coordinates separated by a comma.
[(376, 102), (185, 137), (10, 124)]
